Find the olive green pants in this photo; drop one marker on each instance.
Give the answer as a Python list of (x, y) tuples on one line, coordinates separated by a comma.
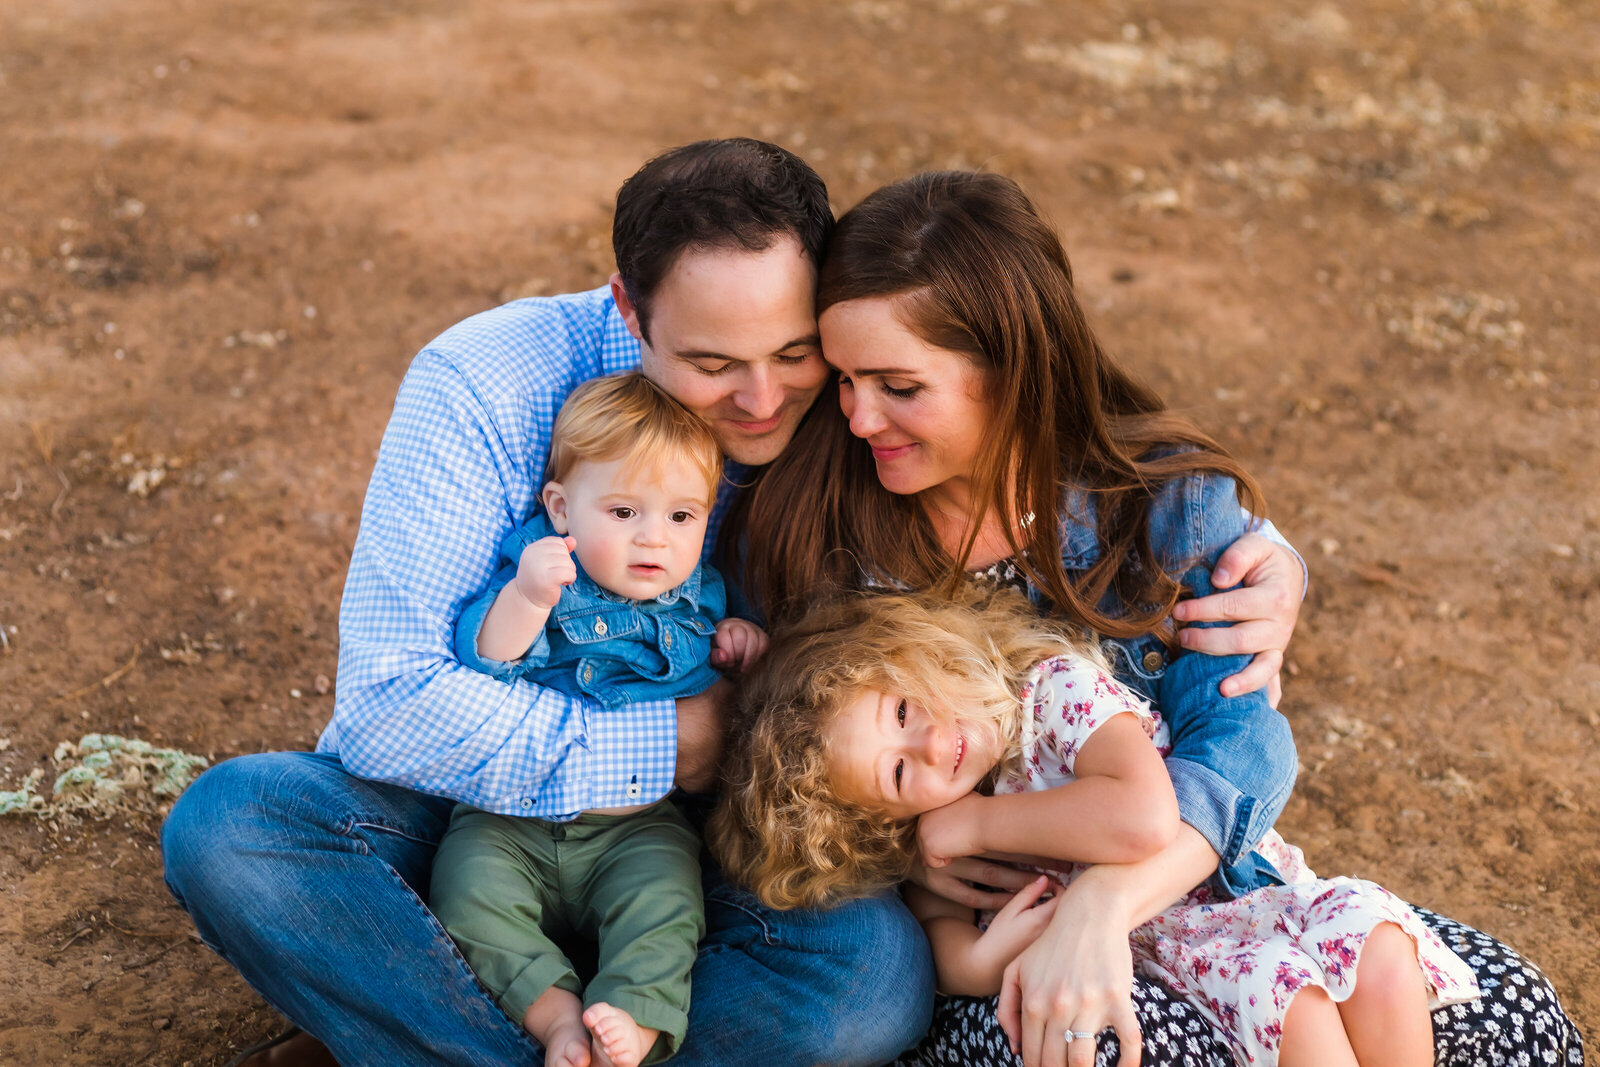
[(507, 888)]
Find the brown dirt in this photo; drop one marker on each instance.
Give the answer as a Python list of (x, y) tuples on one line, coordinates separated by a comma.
[(1359, 241)]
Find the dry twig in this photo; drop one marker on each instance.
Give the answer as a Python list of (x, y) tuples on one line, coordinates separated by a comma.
[(104, 683)]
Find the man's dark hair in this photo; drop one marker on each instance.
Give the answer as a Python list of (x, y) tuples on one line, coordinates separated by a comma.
[(733, 193)]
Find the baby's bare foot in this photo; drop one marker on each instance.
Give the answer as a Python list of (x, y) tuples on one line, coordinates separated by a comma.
[(618, 1040), (556, 1021)]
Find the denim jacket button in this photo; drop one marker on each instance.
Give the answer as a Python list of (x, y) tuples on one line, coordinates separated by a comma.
[(1152, 660), (666, 639), (588, 674), (600, 627)]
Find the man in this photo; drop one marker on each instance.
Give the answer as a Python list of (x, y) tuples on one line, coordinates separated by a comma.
[(305, 870)]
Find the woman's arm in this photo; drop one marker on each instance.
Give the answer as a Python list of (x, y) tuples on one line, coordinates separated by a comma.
[(1119, 808)]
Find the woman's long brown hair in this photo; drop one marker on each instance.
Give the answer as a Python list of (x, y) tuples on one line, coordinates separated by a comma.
[(979, 272)]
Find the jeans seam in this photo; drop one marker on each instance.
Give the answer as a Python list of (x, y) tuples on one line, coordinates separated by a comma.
[(766, 931), (350, 827)]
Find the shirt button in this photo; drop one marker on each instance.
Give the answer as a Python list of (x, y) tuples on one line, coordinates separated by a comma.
[(1152, 660), (600, 627), (527, 803)]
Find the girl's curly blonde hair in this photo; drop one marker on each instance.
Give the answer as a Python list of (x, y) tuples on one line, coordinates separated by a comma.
[(780, 829)]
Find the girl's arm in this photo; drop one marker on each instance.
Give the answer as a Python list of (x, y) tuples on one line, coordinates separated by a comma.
[(1120, 808), (970, 962)]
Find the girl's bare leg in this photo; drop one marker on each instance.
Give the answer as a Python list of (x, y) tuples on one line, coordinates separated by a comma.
[(1386, 1016), (1314, 1035)]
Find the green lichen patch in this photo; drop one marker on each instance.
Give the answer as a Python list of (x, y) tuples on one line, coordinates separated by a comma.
[(104, 775)]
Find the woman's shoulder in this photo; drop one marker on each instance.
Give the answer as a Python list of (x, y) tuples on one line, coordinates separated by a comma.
[(1192, 516)]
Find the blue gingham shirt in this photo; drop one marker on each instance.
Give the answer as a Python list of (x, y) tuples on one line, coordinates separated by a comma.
[(461, 465)]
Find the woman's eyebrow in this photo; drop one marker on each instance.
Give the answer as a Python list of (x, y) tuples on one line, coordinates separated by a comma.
[(882, 372)]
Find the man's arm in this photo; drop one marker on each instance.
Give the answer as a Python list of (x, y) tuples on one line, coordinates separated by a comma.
[(444, 492)]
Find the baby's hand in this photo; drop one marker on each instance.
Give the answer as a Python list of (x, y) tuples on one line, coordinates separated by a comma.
[(546, 566), (739, 643)]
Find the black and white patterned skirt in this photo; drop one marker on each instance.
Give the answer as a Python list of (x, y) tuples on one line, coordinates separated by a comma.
[(1518, 1022)]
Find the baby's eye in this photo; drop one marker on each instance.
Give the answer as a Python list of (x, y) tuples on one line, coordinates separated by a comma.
[(620, 512), (681, 517), (900, 713), (899, 772)]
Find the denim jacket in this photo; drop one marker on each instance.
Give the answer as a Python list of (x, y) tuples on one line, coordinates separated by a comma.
[(1233, 759), (597, 643)]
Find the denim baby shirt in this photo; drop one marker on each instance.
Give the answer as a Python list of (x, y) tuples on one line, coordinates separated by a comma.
[(603, 645)]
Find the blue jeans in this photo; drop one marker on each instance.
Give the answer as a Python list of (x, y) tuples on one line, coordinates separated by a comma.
[(309, 881)]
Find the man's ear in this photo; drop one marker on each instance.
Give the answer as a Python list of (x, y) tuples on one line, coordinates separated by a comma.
[(554, 498), (630, 314)]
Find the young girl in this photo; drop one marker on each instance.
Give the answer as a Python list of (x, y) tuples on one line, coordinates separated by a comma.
[(885, 729)]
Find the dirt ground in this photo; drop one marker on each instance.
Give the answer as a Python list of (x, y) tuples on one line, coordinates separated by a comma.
[(1359, 241)]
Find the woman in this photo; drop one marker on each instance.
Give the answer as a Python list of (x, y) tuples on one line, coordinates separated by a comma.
[(983, 431)]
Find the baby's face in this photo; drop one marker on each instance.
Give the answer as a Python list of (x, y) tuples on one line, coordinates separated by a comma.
[(639, 531), (889, 754)]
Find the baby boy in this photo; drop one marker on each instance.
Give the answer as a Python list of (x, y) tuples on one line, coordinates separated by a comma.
[(635, 617)]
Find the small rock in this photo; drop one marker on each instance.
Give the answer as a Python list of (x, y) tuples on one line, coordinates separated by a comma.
[(162, 1023)]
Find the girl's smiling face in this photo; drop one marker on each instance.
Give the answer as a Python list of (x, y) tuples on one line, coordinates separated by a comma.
[(889, 754)]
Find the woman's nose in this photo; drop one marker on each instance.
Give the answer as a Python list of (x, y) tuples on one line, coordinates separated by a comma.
[(865, 418)]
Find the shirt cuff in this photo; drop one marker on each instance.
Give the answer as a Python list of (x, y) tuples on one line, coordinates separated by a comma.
[(633, 752), (1210, 803)]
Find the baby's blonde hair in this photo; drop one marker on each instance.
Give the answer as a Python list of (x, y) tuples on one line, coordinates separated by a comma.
[(629, 417), (781, 829)]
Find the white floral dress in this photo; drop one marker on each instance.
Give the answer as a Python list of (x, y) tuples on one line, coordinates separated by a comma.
[(1239, 962)]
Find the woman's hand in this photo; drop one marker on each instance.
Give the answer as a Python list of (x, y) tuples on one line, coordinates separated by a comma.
[(1263, 609), (1076, 976)]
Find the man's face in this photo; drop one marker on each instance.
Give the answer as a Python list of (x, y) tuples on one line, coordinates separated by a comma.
[(733, 336)]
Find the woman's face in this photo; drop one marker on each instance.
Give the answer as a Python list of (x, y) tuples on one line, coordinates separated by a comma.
[(922, 409)]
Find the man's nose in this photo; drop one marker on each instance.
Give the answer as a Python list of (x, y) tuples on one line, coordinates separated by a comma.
[(760, 394)]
